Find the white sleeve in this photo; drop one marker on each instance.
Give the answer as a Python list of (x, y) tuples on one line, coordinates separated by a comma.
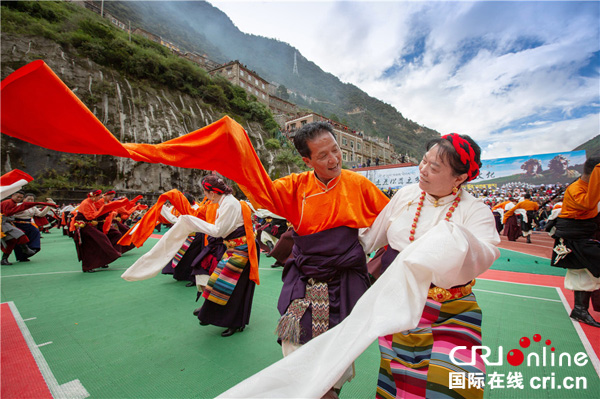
[(165, 211), (394, 303), (41, 213), (229, 217), (374, 237), (153, 261)]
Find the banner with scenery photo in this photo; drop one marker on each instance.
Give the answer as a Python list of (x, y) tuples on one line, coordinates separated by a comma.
[(536, 170)]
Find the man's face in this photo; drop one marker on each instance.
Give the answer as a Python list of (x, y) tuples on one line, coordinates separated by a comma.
[(109, 197), (325, 158), (17, 197)]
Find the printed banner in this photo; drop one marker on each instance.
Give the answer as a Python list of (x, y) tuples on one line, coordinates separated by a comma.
[(535, 170), (392, 178)]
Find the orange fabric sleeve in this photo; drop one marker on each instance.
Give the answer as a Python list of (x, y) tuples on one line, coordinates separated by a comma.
[(500, 205), (250, 239), (108, 222), (139, 232), (54, 118)]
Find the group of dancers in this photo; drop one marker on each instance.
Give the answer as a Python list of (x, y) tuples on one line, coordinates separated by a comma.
[(437, 239)]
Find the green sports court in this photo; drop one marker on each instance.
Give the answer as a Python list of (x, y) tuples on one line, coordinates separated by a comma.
[(99, 336)]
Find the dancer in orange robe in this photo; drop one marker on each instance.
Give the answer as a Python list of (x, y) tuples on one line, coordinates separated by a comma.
[(326, 206), (576, 245)]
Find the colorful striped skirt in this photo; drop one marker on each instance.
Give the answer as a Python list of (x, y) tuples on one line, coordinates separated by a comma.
[(223, 280), (417, 364)]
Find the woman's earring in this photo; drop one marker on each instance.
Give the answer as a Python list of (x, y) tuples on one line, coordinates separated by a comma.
[(454, 190)]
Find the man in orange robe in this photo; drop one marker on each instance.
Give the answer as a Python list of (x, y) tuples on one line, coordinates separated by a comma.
[(531, 207), (498, 211), (576, 247), (326, 206), (94, 248)]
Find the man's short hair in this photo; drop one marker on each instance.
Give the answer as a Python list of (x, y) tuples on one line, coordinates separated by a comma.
[(310, 131)]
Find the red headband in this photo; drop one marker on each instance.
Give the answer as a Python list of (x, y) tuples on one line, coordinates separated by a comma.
[(466, 153), (209, 187), (110, 192)]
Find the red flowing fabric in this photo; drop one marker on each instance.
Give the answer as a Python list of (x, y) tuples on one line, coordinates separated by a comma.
[(55, 118), (39, 108), (14, 176)]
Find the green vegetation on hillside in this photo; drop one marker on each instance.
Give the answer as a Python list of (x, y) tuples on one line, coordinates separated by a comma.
[(591, 147), (91, 36), (215, 35)]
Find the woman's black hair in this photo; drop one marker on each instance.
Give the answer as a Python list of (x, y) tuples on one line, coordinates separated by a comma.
[(449, 154), (217, 182)]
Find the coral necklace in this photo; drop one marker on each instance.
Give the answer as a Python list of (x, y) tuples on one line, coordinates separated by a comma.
[(420, 206)]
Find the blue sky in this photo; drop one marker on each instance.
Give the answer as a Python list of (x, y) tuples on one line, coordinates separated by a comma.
[(519, 77)]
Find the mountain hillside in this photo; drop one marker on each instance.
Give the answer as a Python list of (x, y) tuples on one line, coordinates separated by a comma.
[(137, 89), (198, 26), (591, 147)]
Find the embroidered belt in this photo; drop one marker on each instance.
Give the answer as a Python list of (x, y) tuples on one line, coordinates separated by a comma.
[(80, 223), (440, 294), (317, 296), (236, 242), (118, 219)]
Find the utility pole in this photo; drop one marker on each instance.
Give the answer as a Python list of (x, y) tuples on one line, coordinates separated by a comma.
[(129, 31), (102, 9), (295, 70)]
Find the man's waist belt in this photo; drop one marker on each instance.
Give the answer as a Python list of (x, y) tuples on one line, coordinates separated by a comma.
[(22, 220), (440, 294), (80, 223), (317, 296), (235, 242)]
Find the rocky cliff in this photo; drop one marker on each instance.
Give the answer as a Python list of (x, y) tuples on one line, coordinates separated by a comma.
[(133, 111)]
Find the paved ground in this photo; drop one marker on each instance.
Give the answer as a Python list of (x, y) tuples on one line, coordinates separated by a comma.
[(97, 335)]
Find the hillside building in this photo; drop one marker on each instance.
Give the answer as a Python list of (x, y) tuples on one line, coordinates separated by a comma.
[(356, 147), (202, 60), (240, 75)]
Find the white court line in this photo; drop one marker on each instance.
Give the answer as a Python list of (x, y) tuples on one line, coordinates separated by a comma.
[(43, 274), (73, 389), (31, 318), (582, 337), (105, 270), (44, 344), (520, 296), (513, 282), (584, 340)]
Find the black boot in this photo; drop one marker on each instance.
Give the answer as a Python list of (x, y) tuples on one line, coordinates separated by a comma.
[(580, 310), (529, 239), (5, 261), (26, 250)]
